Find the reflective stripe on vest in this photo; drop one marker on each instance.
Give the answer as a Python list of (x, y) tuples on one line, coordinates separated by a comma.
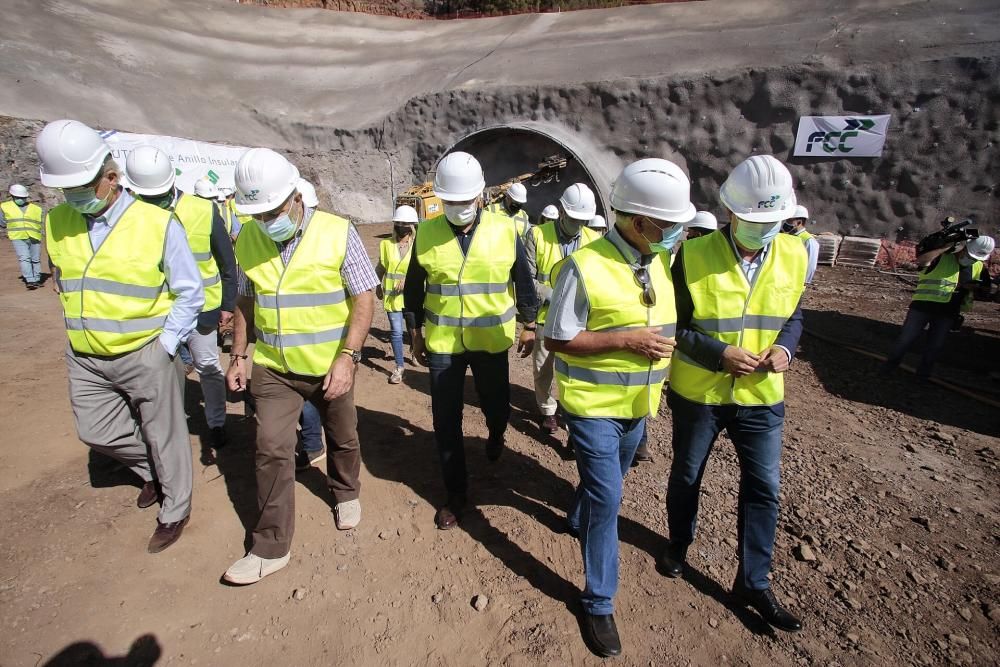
[(195, 215), (520, 219), (395, 268), (22, 225), (938, 284), (730, 310), (301, 310), (469, 302), (115, 300), (548, 253), (619, 384)]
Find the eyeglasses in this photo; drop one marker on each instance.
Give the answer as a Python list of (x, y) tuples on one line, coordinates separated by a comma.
[(648, 293)]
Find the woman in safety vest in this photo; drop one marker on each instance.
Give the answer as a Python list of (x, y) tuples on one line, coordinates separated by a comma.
[(394, 260)]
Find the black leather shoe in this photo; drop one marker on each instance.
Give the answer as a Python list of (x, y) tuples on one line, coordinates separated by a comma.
[(147, 496), (494, 447), (768, 607), (601, 635), (671, 562), (448, 516)]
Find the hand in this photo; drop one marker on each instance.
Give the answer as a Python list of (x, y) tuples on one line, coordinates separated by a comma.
[(526, 343), (339, 378), (417, 348), (774, 360), (379, 293), (225, 318), (648, 342), (739, 362), (236, 376)]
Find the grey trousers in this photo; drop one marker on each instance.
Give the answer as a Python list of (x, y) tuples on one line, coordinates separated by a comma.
[(131, 408), (543, 364)]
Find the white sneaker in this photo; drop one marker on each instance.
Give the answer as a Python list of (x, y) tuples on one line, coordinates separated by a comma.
[(250, 569), (347, 515), (396, 377)]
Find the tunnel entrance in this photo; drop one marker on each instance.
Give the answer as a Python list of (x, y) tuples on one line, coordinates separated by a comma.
[(509, 151)]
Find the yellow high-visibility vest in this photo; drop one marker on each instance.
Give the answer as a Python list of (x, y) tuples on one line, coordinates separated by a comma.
[(22, 225), (618, 384), (548, 253), (729, 309), (114, 300), (938, 284), (520, 219), (230, 212), (469, 303), (301, 310), (195, 215), (395, 273)]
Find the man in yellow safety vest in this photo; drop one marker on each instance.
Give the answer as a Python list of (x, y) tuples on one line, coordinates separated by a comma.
[(738, 318), (131, 292), (22, 219), (306, 295), (459, 303), (611, 326), (512, 206)]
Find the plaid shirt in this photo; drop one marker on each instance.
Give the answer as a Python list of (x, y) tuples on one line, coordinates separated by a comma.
[(357, 271)]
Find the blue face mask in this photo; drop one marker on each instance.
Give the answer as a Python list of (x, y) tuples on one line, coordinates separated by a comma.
[(668, 239), (280, 229), (85, 200), (755, 235)]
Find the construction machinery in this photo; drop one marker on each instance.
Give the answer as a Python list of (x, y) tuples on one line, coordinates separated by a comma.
[(428, 205)]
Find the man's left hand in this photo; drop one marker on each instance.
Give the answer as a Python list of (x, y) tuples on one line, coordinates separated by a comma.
[(526, 343), (225, 318), (774, 360), (339, 378)]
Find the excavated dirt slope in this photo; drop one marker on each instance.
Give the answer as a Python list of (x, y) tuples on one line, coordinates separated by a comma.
[(705, 84)]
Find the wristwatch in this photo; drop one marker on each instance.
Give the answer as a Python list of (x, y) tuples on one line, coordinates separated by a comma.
[(355, 355)]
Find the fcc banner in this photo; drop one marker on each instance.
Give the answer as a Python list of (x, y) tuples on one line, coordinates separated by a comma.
[(841, 136), (192, 160)]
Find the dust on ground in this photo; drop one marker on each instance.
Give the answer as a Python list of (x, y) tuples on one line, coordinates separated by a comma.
[(887, 542)]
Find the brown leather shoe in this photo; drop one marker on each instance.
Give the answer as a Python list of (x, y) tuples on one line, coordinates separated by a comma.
[(166, 534), (148, 496), (550, 425)]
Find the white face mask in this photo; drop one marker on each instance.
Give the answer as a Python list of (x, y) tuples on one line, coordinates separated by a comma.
[(460, 215)]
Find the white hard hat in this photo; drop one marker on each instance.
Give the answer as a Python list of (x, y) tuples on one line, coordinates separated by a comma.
[(598, 222), (459, 177), (800, 212), (264, 180), (704, 220), (406, 214), (308, 192), (518, 193), (980, 248), (18, 190), (654, 187), (578, 201), (70, 154), (550, 212), (205, 188), (149, 171), (759, 189)]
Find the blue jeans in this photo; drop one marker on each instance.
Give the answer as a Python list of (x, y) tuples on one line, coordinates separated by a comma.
[(28, 253), (938, 324), (756, 435), (396, 335), (604, 452), (312, 428), (185, 353)]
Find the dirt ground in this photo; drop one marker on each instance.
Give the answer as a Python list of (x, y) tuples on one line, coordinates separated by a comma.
[(887, 546)]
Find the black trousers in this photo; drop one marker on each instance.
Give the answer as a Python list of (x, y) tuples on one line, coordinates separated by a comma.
[(491, 373)]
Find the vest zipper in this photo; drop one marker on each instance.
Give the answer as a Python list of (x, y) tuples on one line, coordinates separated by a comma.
[(743, 315)]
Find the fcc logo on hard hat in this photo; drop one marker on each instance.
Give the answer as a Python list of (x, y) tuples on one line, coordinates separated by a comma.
[(769, 203)]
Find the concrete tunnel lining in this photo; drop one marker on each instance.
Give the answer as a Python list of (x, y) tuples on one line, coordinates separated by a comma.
[(586, 163)]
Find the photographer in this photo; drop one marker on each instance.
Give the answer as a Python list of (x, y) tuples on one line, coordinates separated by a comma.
[(951, 265)]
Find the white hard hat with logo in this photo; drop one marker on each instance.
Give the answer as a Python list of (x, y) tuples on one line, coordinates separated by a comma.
[(308, 192), (759, 189), (406, 214), (980, 248), (704, 220), (550, 212), (205, 188), (459, 177), (654, 187), (578, 202), (149, 171), (264, 180), (70, 154), (18, 190), (518, 193)]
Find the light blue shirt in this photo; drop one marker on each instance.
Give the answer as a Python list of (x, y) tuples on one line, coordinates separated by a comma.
[(183, 277), (812, 250)]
